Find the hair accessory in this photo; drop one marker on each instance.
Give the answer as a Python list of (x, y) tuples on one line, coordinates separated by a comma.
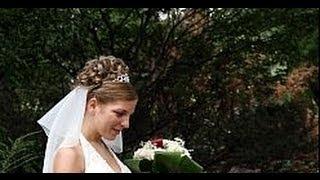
[(124, 78)]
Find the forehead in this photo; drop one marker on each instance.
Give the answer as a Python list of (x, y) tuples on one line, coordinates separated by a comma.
[(125, 105)]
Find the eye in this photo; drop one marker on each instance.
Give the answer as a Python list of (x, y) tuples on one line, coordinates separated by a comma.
[(119, 114)]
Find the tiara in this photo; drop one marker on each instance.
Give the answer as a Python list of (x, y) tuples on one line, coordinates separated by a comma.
[(124, 78)]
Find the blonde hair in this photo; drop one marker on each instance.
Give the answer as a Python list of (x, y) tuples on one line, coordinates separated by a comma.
[(100, 76)]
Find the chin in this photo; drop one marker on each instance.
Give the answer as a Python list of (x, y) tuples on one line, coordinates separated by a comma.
[(110, 137)]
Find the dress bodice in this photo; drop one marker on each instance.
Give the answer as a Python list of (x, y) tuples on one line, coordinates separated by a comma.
[(94, 163)]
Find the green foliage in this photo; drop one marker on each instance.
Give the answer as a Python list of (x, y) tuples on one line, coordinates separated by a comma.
[(165, 162), (134, 164), (267, 132), (20, 155)]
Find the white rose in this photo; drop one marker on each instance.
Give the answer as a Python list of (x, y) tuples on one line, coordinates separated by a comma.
[(144, 154)]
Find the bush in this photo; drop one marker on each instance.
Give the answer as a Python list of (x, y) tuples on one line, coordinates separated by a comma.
[(21, 154)]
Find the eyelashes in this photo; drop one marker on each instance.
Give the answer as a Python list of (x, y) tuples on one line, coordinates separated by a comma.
[(119, 114)]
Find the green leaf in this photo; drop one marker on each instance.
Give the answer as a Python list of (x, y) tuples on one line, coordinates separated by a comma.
[(145, 165), (133, 164), (188, 165), (167, 161)]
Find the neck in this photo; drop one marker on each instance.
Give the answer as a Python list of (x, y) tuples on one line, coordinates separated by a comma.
[(89, 131)]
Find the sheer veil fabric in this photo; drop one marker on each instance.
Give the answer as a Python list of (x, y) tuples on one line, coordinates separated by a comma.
[(62, 125)]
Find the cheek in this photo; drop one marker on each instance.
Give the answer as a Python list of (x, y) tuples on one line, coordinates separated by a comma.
[(114, 121), (106, 121), (100, 119)]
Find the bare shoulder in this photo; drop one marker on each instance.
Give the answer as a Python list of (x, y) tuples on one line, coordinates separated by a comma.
[(69, 159)]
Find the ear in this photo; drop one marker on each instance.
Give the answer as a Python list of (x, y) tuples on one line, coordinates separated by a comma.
[(92, 106)]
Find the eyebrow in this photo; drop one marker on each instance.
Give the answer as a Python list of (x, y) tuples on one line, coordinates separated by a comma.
[(121, 110)]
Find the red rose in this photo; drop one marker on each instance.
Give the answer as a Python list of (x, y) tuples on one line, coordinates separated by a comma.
[(157, 142)]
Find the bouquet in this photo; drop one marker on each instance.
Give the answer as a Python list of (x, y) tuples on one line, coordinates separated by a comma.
[(163, 156)]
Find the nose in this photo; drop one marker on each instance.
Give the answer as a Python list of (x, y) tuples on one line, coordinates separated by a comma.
[(125, 122)]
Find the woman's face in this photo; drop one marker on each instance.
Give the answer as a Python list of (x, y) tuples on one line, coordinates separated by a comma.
[(111, 118)]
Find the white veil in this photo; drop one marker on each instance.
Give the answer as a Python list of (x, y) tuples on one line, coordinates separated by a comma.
[(62, 124)]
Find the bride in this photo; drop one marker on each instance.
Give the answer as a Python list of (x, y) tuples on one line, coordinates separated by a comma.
[(85, 128)]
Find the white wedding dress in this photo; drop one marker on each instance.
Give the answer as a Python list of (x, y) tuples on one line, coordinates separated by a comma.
[(94, 163)]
